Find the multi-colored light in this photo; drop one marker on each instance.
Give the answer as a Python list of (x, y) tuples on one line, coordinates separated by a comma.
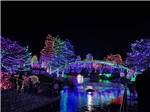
[(57, 53), (13, 56), (139, 57)]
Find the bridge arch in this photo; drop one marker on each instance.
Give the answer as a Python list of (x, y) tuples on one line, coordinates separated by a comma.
[(99, 66)]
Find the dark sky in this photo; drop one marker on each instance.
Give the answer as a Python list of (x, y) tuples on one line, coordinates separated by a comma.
[(99, 28)]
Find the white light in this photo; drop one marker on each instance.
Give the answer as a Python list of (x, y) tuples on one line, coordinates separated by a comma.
[(89, 102), (47, 70), (79, 79), (122, 74), (88, 87)]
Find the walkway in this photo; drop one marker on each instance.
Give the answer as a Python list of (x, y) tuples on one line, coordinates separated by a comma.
[(24, 102)]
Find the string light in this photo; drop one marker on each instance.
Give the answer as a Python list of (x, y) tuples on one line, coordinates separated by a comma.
[(13, 56), (139, 57)]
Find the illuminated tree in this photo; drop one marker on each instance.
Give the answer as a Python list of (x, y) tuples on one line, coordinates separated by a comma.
[(58, 47), (68, 52), (47, 53), (26, 56), (139, 57), (13, 56), (57, 52), (34, 60), (78, 58), (114, 58), (64, 52), (89, 57)]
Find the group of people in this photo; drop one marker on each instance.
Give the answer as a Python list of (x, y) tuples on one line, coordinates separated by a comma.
[(22, 82)]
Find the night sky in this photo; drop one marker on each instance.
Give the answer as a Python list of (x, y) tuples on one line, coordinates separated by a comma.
[(99, 28)]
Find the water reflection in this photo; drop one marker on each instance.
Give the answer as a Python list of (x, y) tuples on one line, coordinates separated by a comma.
[(79, 100), (89, 101)]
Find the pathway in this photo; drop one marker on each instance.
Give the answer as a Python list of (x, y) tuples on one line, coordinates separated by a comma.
[(24, 102)]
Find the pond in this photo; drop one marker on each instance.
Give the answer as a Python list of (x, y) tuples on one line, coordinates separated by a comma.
[(81, 100)]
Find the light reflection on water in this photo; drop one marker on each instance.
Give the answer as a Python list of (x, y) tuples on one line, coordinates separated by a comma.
[(78, 99), (89, 102)]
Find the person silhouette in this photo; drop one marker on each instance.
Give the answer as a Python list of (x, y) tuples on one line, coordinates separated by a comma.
[(20, 79), (143, 92)]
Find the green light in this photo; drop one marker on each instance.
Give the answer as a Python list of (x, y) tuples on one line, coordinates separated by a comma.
[(133, 79), (106, 81), (100, 80), (65, 76), (107, 75)]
